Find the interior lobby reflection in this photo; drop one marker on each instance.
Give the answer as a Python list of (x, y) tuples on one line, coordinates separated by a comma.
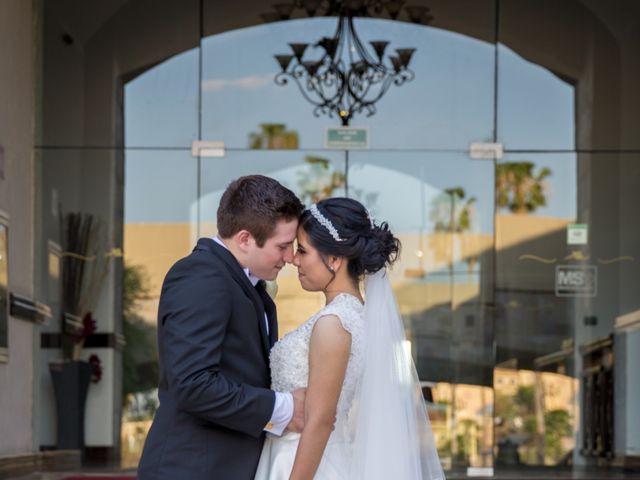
[(518, 281)]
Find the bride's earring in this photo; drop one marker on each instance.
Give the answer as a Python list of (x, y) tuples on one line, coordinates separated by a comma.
[(336, 264)]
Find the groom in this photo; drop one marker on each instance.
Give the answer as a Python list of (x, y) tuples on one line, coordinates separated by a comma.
[(216, 325)]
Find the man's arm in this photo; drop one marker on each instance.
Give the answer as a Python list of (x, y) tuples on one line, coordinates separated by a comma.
[(288, 412), (196, 310)]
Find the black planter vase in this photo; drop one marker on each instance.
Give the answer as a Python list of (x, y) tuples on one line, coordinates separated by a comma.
[(70, 383)]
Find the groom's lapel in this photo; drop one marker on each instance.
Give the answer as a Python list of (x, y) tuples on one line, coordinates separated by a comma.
[(241, 279)]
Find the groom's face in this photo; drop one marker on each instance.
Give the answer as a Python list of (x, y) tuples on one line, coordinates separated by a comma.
[(266, 262)]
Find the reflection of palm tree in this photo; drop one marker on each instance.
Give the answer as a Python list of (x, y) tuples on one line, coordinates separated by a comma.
[(273, 136), (452, 213), (319, 180), (518, 189), (446, 214)]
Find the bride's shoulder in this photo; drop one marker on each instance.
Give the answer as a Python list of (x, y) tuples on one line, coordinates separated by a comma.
[(347, 309)]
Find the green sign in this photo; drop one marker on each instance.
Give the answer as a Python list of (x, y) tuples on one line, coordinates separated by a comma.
[(577, 234), (347, 138)]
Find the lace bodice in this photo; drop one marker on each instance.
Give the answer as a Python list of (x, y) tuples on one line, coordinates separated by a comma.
[(290, 355)]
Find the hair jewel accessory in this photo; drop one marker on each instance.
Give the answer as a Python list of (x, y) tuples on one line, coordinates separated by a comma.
[(325, 222), (370, 217)]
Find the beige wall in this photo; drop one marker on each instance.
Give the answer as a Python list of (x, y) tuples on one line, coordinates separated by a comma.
[(17, 80)]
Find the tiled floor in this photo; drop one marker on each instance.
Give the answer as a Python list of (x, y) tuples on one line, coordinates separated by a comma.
[(503, 475), (91, 471), (63, 475)]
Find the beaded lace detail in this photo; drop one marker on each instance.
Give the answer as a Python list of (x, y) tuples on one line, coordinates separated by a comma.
[(290, 355)]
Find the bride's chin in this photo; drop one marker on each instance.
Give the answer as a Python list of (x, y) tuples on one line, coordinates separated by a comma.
[(307, 287)]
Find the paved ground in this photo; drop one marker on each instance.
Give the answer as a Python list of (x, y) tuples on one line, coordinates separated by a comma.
[(116, 473), (76, 476)]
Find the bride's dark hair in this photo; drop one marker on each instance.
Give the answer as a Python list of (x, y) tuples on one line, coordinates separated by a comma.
[(367, 248)]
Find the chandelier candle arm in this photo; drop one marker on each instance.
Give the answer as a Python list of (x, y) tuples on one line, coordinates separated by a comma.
[(379, 46), (347, 77), (284, 61), (405, 54), (298, 50)]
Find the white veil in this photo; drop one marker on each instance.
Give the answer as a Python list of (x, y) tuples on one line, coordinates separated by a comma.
[(392, 433)]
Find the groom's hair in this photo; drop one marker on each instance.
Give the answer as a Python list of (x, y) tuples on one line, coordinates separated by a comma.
[(255, 203)]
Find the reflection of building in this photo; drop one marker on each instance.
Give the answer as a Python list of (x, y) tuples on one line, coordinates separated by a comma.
[(101, 109)]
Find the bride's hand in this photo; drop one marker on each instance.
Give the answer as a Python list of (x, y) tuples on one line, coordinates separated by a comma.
[(297, 421)]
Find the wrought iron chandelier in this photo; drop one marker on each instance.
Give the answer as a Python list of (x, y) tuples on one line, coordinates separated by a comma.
[(346, 78)]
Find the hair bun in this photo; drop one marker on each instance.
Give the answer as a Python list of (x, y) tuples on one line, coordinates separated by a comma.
[(380, 249), (367, 246)]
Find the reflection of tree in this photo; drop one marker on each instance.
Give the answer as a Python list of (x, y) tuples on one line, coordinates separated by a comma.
[(318, 180), (451, 212), (557, 426), (519, 189), (140, 357), (467, 440), (516, 415), (273, 136), (449, 215)]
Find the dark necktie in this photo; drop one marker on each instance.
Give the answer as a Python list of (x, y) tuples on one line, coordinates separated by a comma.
[(270, 310)]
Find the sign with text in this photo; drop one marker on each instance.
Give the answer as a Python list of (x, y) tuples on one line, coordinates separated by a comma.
[(577, 234), (347, 138), (576, 281)]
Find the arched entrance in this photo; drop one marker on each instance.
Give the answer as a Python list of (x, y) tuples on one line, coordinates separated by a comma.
[(499, 347)]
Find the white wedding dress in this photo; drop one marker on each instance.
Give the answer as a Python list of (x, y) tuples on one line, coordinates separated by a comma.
[(290, 370)]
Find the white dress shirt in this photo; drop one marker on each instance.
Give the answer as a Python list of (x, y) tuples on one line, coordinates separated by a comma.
[(283, 408)]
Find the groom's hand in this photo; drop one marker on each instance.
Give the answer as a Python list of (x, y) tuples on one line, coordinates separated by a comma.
[(297, 421)]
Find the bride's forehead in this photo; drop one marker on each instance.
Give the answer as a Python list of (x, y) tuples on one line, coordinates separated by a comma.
[(303, 239)]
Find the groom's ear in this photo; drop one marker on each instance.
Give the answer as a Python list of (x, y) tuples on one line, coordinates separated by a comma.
[(243, 239)]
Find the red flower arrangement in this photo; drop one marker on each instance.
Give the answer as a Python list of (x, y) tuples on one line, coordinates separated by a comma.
[(79, 336), (96, 368), (88, 328)]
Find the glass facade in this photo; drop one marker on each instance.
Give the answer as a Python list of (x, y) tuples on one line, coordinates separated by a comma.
[(519, 280), (4, 293)]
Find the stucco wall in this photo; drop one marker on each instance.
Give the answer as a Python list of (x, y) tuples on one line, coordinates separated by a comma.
[(17, 79)]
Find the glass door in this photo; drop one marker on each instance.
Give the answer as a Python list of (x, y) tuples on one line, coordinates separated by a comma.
[(443, 283)]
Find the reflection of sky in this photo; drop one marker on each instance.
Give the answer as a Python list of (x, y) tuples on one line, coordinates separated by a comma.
[(161, 105), (535, 108), (405, 181), (160, 185), (449, 105)]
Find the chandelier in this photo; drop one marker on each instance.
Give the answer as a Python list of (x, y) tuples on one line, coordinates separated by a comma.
[(345, 77)]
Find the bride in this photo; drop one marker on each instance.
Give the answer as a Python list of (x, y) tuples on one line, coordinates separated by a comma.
[(365, 416)]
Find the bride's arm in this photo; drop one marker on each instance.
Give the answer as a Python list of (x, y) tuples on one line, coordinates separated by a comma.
[(329, 350)]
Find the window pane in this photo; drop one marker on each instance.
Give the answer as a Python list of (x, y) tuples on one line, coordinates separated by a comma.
[(4, 287), (568, 74), (449, 104), (442, 282), (567, 255)]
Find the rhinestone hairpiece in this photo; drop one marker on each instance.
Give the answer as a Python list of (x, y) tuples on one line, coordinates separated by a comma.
[(370, 217), (325, 222)]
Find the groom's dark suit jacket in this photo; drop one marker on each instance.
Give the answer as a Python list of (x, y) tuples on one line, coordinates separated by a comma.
[(214, 371)]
